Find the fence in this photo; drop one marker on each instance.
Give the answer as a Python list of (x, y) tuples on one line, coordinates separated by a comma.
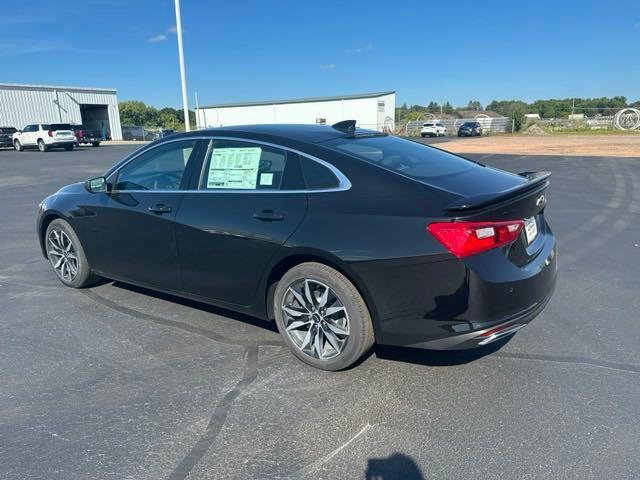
[(143, 134), (489, 125)]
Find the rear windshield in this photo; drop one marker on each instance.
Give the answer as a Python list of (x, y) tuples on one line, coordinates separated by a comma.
[(409, 158), (7, 130), (428, 125), (57, 126), (468, 124)]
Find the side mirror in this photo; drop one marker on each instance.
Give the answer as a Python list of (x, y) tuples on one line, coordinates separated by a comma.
[(19, 131), (97, 185)]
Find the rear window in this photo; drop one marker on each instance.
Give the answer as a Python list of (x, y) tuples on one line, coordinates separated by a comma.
[(409, 158), (8, 130), (57, 126), (428, 125)]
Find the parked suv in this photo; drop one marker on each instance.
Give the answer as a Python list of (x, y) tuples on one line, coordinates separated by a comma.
[(44, 136), (470, 129), (433, 130), (6, 136)]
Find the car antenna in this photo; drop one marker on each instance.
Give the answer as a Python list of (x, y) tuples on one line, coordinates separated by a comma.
[(346, 126)]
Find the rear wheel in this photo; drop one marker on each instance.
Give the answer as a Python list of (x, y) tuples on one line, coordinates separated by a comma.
[(68, 148), (96, 144), (42, 146), (18, 146), (322, 317), (66, 255)]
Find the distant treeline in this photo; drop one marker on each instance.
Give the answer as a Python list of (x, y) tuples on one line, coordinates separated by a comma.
[(134, 112), (516, 109)]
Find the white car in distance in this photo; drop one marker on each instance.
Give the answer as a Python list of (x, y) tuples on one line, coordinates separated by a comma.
[(433, 129), (45, 136)]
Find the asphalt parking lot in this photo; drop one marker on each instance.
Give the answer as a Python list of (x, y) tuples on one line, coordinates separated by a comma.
[(119, 382)]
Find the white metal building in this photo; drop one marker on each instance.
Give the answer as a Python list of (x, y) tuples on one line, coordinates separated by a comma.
[(370, 110), (21, 105)]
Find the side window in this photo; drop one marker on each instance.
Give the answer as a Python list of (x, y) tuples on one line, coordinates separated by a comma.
[(235, 165), (317, 176), (160, 168)]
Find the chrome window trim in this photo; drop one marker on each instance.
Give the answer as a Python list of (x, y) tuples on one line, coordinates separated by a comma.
[(343, 182)]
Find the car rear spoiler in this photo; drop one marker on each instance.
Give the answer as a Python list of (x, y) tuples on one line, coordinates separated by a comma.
[(536, 181)]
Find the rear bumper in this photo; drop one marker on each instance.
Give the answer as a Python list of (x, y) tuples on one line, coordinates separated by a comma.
[(454, 304), (489, 334)]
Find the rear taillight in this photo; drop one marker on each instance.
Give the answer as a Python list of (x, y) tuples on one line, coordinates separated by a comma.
[(468, 238), (50, 133)]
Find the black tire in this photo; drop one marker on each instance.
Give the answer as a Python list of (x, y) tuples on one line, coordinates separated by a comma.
[(42, 146), (83, 277), (96, 144), (423, 135), (18, 146), (68, 148), (360, 338)]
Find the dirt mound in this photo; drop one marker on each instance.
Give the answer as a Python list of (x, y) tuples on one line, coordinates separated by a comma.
[(535, 131)]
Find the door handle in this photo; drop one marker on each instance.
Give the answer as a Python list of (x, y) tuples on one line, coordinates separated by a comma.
[(268, 216), (160, 209)]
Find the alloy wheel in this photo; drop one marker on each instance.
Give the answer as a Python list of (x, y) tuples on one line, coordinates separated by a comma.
[(315, 319), (62, 255)]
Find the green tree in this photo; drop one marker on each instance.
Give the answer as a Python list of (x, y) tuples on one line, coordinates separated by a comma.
[(474, 105), (132, 112)]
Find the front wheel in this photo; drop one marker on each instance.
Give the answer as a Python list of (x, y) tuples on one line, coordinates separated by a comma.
[(18, 146), (66, 255), (322, 317)]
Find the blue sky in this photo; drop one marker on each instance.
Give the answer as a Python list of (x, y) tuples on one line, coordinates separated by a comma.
[(254, 50)]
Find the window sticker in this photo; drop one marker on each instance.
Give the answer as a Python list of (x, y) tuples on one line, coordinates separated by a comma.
[(235, 167), (266, 179)]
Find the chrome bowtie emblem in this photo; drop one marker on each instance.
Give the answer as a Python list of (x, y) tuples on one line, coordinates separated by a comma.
[(540, 201)]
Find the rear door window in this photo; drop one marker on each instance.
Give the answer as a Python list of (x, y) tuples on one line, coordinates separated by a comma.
[(237, 165), (317, 176)]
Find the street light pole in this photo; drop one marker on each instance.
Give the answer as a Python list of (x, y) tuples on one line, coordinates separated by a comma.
[(185, 105)]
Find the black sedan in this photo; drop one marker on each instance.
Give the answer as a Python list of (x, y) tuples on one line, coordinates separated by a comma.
[(6, 136), (470, 129), (344, 237)]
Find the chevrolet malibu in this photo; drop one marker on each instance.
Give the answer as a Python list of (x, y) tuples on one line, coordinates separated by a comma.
[(344, 237)]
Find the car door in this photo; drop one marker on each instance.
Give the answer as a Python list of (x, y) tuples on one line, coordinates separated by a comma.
[(28, 135), (249, 201), (131, 230)]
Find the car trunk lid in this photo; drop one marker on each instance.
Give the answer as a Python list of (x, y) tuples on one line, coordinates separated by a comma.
[(520, 197)]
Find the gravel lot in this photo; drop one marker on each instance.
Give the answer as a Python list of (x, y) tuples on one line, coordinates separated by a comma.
[(119, 382), (609, 145)]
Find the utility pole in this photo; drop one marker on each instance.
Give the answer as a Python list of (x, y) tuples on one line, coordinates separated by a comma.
[(197, 113), (185, 104)]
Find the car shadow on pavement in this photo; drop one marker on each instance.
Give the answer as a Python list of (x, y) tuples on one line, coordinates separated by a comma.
[(437, 358), (248, 319), (397, 466)]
